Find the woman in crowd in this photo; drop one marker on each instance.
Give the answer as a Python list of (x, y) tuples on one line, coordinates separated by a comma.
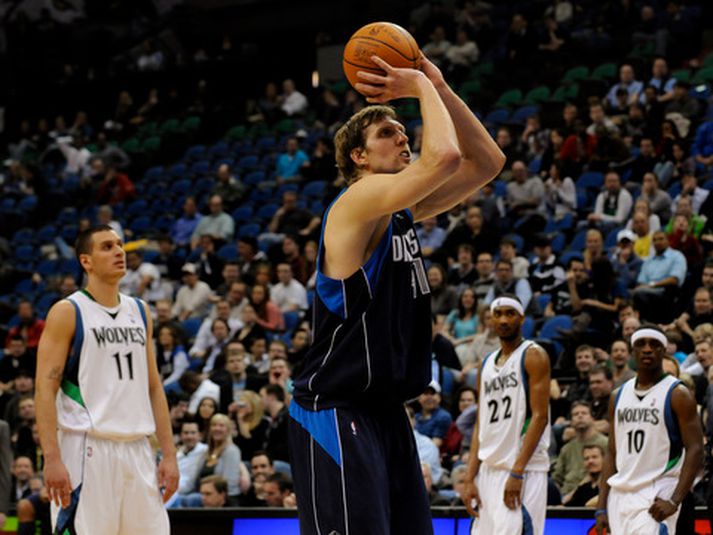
[(461, 324), (269, 316), (172, 358), (252, 424), (222, 458)]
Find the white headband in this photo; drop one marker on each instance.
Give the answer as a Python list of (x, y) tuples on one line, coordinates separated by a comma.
[(507, 302), (649, 333)]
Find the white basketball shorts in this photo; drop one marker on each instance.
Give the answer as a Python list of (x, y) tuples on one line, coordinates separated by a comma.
[(628, 512)]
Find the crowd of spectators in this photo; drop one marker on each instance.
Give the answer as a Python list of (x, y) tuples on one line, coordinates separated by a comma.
[(601, 220)]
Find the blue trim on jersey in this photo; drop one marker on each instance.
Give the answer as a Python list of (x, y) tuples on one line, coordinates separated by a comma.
[(618, 394), (523, 373), (674, 433), (73, 360), (140, 304), (527, 528), (409, 214), (65, 517), (322, 425), (331, 291), (663, 529)]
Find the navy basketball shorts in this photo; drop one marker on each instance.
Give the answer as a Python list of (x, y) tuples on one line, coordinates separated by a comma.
[(356, 471)]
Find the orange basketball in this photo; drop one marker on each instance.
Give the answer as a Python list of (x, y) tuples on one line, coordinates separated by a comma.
[(389, 41)]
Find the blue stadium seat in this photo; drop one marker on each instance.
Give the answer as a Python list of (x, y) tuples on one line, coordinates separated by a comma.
[(153, 174), (177, 170), (191, 326), (248, 162), (266, 211), (69, 233), (164, 223), (27, 204), (569, 255), (141, 225), (590, 180), (497, 116), (47, 267), (243, 214), (528, 327), (219, 150), (521, 115), (200, 168), (558, 243), (196, 152), (254, 178), (543, 300), (292, 319), (566, 223), (286, 187), (68, 215), (151, 256), (317, 208), (265, 144), (25, 236), (70, 266), (549, 328), (137, 208), (204, 185), (500, 187), (45, 301), (315, 189), (249, 230), (610, 240), (7, 206), (181, 187), (228, 253)]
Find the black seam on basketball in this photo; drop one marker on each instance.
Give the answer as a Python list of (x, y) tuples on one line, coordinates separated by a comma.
[(408, 38), (386, 44), (375, 68)]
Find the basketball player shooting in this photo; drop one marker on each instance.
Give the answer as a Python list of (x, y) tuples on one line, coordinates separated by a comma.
[(506, 482), (99, 396), (355, 465), (655, 446)]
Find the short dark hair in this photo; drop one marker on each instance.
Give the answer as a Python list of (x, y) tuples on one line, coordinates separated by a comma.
[(599, 368), (84, 242), (261, 453), (275, 390), (594, 447), (219, 482), (580, 403), (283, 482)]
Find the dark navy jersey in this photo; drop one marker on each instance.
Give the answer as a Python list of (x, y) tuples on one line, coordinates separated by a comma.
[(372, 330)]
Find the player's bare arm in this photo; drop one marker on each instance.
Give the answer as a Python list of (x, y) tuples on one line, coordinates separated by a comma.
[(168, 468), (608, 470), (481, 158), (470, 494), (684, 407), (537, 366), (360, 215), (52, 353)]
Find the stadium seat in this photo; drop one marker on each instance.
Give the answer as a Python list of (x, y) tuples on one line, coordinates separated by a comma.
[(266, 211), (315, 189), (558, 243), (292, 319), (141, 225), (521, 115), (27, 204), (177, 170), (254, 178), (509, 98), (575, 74), (181, 187), (549, 330), (569, 255), (496, 117), (249, 230), (200, 168), (590, 180), (537, 95), (242, 214), (228, 252), (605, 71), (25, 236), (528, 327), (610, 240), (191, 326), (137, 208)]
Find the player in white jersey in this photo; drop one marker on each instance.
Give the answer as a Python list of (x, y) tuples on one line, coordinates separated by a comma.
[(655, 446), (506, 482), (98, 397)]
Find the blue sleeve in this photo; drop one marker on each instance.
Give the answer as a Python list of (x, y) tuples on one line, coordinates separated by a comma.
[(643, 277), (441, 425), (679, 267), (699, 145), (523, 292), (669, 85)]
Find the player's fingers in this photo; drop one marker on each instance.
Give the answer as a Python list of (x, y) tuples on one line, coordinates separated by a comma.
[(381, 63), (371, 77), (369, 90)]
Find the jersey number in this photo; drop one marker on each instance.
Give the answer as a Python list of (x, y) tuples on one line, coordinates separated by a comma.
[(493, 406), (129, 364), (636, 440)]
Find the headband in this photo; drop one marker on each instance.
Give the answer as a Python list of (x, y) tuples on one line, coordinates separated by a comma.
[(649, 333), (507, 302)]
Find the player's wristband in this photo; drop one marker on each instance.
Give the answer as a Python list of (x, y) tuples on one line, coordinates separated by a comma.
[(599, 512), (517, 476), (672, 502)]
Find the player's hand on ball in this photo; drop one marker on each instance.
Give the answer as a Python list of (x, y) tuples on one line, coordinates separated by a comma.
[(395, 83), (601, 524), (57, 482), (168, 477), (432, 72), (513, 490), (471, 497), (662, 509)]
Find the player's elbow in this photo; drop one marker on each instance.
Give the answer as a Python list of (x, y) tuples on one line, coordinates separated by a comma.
[(445, 160)]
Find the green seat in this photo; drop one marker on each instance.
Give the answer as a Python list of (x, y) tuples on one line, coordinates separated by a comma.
[(340, 87), (409, 109), (704, 75), (236, 133), (483, 69), (559, 94), (285, 126), (708, 61), (645, 50), (259, 130), (169, 126), (605, 71), (571, 92), (469, 88), (682, 75), (132, 145), (147, 129), (537, 94), (92, 147), (192, 123), (509, 98), (152, 144), (575, 73)]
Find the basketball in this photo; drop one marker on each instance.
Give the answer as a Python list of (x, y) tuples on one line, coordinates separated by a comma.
[(389, 41)]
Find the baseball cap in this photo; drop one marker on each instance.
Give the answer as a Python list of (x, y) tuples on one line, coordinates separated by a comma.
[(625, 234), (433, 385), (189, 268)]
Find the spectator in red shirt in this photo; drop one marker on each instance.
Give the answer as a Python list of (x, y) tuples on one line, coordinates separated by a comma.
[(29, 328), (115, 187)]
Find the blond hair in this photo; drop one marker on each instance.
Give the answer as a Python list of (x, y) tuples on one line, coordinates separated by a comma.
[(215, 450), (351, 136), (256, 403)]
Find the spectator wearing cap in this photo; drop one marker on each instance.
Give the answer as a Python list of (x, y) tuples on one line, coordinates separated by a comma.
[(217, 224), (193, 298), (185, 225), (432, 420), (624, 260), (545, 272), (613, 204), (660, 278)]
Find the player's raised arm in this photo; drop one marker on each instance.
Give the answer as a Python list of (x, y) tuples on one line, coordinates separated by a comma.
[(481, 160), (537, 366), (684, 407), (168, 468), (52, 353), (608, 470), (390, 184)]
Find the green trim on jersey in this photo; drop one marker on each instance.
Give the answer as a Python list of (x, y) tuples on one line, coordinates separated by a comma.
[(73, 392), (525, 426), (671, 463)]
